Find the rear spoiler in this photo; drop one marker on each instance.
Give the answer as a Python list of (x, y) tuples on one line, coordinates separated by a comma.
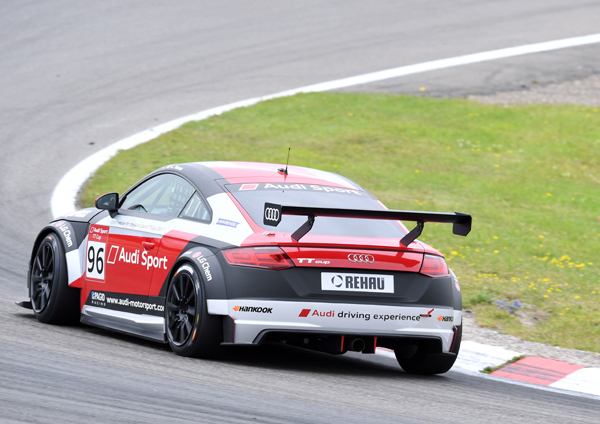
[(461, 221)]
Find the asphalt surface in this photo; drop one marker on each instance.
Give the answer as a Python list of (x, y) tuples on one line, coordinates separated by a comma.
[(77, 76)]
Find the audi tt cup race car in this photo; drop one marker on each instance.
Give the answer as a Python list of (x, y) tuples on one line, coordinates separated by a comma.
[(201, 255)]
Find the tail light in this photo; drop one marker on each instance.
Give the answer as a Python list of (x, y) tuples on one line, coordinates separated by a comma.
[(258, 257), (434, 266)]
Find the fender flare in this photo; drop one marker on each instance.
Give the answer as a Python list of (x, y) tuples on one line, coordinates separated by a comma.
[(71, 235), (53, 228), (206, 263), (456, 291)]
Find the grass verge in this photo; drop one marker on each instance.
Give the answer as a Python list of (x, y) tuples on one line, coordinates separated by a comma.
[(489, 370), (530, 175)]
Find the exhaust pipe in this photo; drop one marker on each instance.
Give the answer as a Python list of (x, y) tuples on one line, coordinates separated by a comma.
[(357, 345)]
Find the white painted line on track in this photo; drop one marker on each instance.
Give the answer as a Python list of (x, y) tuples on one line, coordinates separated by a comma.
[(65, 193)]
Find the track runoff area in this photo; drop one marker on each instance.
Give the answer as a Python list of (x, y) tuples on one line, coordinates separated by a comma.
[(543, 373)]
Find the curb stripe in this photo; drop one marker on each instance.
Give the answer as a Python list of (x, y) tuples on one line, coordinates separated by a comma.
[(539, 373), (65, 193), (536, 370)]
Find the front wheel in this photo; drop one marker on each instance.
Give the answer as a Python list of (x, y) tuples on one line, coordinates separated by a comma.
[(52, 300), (191, 331), (427, 363)]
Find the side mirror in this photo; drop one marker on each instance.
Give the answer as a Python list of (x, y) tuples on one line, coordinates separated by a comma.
[(109, 202)]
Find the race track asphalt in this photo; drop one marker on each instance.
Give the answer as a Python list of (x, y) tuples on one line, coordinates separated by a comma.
[(78, 76)]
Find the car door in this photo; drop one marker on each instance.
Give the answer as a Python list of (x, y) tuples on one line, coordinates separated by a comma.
[(122, 251)]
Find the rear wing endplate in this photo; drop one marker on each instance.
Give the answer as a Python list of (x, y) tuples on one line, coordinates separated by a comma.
[(461, 221)]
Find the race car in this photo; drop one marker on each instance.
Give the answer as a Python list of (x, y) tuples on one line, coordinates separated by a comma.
[(202, 255)]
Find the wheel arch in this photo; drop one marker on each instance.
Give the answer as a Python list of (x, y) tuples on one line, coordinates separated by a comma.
[(207, 265), (63, 304), (210, 326), (49, 229), (456, 292), (70, 235)]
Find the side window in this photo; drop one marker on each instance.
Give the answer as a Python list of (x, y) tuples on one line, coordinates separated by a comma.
[(164, 194), (196, 209)]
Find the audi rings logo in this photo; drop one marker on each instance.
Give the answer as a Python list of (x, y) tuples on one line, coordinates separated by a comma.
[(366, 259), (271, 214)]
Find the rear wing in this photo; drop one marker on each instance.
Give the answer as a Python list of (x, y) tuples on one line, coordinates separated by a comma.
[(461, 221)]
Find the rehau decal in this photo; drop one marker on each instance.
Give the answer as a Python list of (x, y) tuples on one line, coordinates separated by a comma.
[(371, 283)]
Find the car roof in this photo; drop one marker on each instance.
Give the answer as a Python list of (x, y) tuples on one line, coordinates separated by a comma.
[(208, 176)]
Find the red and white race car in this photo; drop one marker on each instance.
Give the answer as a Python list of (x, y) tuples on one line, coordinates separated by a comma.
[(200, 255)]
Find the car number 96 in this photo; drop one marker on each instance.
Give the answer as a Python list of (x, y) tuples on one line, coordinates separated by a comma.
[(95, 260)]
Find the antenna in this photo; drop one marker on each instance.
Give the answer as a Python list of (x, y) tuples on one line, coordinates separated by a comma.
[(282, 170)]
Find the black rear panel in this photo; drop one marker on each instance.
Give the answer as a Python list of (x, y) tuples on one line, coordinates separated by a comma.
[(296, 284)]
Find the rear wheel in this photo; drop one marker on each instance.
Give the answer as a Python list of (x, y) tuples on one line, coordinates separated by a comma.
[(423, 362), (191, 331), (52, 300)]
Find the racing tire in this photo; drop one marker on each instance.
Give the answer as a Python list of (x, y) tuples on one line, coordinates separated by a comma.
[(191, 331), (52, 300), (427, 363)]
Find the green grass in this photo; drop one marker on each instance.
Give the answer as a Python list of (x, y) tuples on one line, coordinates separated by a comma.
[(530, 176), (489, 370)]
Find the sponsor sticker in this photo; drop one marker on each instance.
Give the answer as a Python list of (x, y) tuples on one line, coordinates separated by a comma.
[(311, 187), (428, 314), (98, 298), (227, 223), (79, 214), (248, 187), (121, 254), (204, 264), (255, 309), (127, 302), (366, 283), (455, 279), (305, 313), (136, 225), (66, 232)]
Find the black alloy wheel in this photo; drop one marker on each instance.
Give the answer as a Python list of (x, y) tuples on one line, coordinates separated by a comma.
[(42, 277), (191, 331), (425, 363), (181, 308), (52, 300)]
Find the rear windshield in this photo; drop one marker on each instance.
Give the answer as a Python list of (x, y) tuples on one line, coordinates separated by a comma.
[(252, 197)]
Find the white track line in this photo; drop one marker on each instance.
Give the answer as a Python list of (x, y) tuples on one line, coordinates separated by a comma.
[(65, 192)]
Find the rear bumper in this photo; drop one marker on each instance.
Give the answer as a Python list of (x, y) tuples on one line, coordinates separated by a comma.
[(254, 318)]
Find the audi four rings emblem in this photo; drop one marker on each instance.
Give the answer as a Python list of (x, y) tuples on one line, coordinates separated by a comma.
[(367, 259), (271, 214)]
